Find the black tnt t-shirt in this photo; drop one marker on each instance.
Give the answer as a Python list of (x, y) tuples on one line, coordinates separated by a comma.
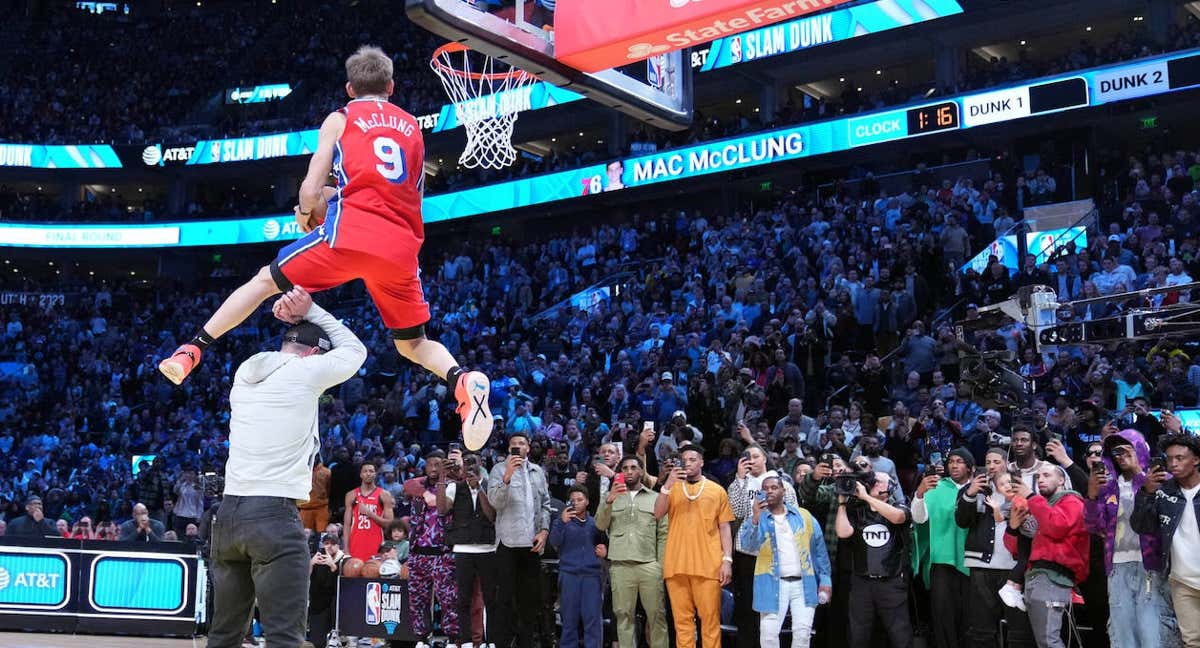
[(878, 547)]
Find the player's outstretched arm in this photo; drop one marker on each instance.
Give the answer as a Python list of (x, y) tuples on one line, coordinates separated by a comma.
[(311, 209)]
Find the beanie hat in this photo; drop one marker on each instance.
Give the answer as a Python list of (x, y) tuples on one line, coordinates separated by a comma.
[(965, 455)]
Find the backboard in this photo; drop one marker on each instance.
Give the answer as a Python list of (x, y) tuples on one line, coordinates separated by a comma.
[(657, 91)]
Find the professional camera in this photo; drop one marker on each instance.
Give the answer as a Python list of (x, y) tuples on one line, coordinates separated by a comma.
[(847, 483), (212, 484)]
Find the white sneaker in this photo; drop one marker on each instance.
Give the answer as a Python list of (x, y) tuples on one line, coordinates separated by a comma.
[(472, 393), (1012, 597)]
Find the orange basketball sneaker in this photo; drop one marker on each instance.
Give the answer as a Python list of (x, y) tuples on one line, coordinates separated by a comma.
[(472, 392), (180, 364)]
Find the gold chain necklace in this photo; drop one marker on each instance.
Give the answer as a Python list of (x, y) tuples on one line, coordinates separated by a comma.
[(693, 498)]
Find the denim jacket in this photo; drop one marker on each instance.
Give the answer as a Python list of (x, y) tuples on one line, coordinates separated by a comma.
[(810, 548)]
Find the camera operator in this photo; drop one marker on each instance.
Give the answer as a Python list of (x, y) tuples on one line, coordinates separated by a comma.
[(938, 544), (872, 450), (983, 509), (816, 494), (876, 530), (322, 588)]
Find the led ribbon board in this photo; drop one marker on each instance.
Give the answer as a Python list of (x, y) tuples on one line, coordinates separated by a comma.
[(822, 29), (76, 156), (1154, 76)]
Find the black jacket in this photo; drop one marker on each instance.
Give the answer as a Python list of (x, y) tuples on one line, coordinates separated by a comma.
[(25, 526), (1160, 514), (980, 526), (322, 586)]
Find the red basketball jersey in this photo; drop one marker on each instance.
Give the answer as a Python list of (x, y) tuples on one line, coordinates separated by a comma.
[(367, 535), (379, 163)]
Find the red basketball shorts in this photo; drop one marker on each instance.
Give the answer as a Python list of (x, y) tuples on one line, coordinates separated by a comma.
[(394, 284)]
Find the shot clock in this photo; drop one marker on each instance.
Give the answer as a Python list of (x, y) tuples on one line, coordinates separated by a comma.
[(931, 119)]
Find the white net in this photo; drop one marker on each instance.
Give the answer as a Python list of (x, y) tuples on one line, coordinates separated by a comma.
[(487, 96)]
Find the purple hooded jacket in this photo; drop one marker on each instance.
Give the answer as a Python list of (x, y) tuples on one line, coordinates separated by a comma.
[(1100, 514)]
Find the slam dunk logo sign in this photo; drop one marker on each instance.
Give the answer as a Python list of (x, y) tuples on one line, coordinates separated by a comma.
[(384, 605)]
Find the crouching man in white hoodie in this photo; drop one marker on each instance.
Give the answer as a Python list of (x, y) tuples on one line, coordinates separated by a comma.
[(258, 546)]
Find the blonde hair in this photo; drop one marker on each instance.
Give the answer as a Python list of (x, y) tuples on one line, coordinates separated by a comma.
[(369, 71)]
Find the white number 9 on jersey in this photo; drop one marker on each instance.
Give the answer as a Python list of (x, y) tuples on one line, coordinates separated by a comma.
[(391, 157)]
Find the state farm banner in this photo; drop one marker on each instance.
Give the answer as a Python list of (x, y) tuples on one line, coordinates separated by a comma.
[(594, 36)]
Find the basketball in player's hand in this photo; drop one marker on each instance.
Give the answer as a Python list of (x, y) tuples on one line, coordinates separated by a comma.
[(353, 568), (370, 569)]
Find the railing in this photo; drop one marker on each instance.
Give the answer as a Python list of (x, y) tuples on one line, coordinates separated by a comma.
[(900, 181)]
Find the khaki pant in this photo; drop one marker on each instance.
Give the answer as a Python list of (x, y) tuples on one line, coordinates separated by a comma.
[(691, 597), (1187, 612), (629, 581)]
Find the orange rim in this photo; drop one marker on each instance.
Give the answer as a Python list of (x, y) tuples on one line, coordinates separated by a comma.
[(455, 47)]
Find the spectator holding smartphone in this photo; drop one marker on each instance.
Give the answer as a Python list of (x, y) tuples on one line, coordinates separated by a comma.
[(1166, 505), (1132, 562), (518, 491), (938, 547), (699, 553), (471, 534), (1058, 556), (744, 493), (982, 509), (636, 548), (581, 550), (792, 570), (322, 588)]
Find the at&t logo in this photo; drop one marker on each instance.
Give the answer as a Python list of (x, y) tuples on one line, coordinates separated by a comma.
[(272, 229), (152, 155), (33, 580)]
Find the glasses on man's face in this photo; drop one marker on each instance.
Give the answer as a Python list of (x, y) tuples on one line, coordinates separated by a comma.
[(1120, 452), (1097, 453)]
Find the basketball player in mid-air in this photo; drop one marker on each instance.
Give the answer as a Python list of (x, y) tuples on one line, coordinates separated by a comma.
[(369, 510), (369, 229)]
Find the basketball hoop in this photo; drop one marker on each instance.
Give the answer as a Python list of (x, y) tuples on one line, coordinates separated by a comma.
[(486, 102)]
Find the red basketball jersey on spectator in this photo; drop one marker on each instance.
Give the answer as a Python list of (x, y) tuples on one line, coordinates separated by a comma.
[(367, 535), (379, 163)]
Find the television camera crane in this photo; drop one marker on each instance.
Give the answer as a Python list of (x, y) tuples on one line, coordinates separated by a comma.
[(992, 376)]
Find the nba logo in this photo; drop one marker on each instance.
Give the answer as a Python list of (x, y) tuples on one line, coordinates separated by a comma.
[(374, 603), (1048, 246), (656, 71), (735, 49), (997, 250)]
